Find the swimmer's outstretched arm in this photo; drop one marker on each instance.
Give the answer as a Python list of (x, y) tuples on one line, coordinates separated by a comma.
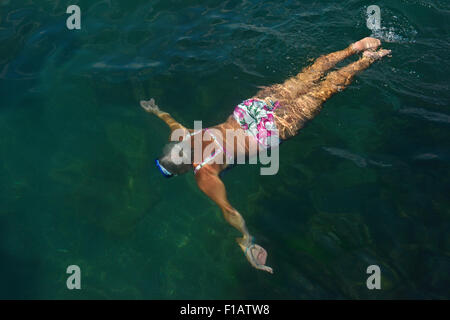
[(209, 182), (151, 107)]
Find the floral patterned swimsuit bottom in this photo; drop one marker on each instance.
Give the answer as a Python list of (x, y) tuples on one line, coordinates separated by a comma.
[(255, 117)]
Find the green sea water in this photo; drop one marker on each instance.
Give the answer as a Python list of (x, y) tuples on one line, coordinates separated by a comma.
[(365, 183)]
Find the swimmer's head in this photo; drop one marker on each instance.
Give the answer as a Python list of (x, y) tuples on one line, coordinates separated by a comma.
[(176, 159)]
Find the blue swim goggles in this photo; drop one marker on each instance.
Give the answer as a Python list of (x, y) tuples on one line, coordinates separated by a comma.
[(166, 173)]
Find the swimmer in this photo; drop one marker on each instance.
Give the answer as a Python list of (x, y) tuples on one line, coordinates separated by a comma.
[(279, 111)]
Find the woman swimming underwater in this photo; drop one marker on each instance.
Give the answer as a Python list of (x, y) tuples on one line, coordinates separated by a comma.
[(275, 112)]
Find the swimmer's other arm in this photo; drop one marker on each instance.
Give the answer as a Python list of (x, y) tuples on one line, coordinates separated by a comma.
[(209, 182), (151, 107)]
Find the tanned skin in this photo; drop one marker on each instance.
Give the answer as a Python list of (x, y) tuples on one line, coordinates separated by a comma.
[(301, 98)]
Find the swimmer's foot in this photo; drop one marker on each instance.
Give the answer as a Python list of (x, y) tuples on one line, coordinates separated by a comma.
[(254, 253), (376, 55), (365, 44)]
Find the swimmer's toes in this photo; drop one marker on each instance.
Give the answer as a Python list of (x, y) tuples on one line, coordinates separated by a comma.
[(366, 43), (384, 52), (375, 55)]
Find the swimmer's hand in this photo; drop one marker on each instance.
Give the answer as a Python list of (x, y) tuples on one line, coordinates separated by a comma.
[(257, 256), (150, 106)]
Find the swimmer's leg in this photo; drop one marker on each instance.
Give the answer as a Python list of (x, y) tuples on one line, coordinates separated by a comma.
[(322, 64), (151, 107), (302, 82), (292, 117), (338, 80)]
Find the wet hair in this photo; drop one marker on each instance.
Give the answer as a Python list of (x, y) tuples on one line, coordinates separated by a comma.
[(177, 157)]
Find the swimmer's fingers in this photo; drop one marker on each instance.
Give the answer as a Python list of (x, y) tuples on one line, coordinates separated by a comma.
[(265, 268), (150, 106), (257, 256)]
